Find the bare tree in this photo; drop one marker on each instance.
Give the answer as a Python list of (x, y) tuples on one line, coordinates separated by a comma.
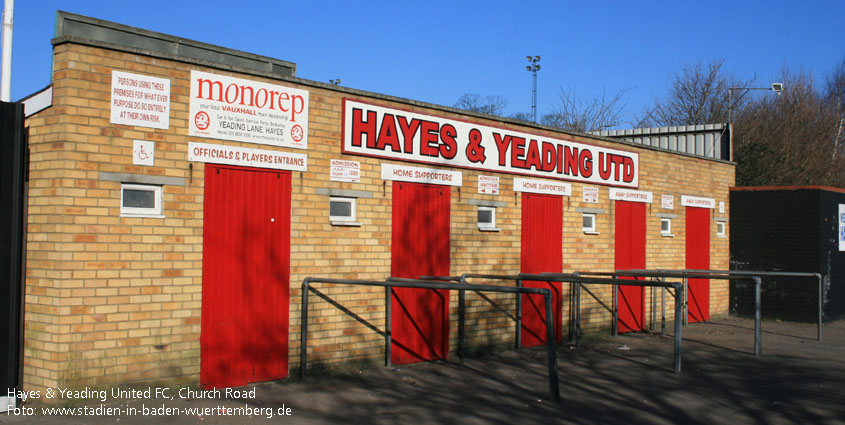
[(698, 94), (574, 114), (835, 92), (789, 139), (490, 105), (523, 116)]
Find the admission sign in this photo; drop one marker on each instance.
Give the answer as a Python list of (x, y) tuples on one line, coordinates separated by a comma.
[(383, 132)]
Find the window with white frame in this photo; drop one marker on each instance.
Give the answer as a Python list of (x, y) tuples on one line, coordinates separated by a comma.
[(665, 227), (486, 218), (720, 229), (140, 200), (589, 223), (342, 210)]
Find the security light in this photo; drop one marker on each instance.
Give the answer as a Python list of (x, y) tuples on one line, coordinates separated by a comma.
[(778, 87)]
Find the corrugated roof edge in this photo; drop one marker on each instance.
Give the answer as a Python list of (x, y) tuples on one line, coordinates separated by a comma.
[(660, 130), (66, 38)]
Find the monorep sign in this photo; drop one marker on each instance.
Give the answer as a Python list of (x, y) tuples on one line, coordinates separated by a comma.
[(382, 132), (231, 108)]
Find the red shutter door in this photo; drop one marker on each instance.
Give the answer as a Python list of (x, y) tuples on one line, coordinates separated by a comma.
[(630, 254), (698, 257), (246, 276), (542, 252), (420, 317)]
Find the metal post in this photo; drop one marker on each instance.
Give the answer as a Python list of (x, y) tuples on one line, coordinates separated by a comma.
[(686, 306), (678, 327), (614, 326), (819, 277), (653, 308), (662, 309), (572, 314), (461, 323), (519, 316), (303, 327), (550, 346), (577, 314), (6, 65), (757, 342), (388, 337)]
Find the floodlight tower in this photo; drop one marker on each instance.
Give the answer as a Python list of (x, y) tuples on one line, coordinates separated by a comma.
[(533, 67)]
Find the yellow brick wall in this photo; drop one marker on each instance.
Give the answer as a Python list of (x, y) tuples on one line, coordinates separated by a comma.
[(111, 299)]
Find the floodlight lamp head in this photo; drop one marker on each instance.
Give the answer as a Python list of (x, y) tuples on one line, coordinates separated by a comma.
[(536, 59), (537, 67), (777, 87), (528, 58), (528, 68)]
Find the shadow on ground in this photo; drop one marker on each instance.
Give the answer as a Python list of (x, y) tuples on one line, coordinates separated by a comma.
[(626, 379)]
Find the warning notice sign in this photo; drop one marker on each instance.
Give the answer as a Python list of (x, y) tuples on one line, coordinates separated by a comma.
[(140, 100)]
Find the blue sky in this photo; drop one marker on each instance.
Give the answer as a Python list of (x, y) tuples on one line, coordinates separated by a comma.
[(434, 51)]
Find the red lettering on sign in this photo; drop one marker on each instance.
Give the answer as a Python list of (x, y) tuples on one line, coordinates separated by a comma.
[(628, 174), (247, 95), (361, 127), (570, 162), (585, 163), (409, 130), (549, 157), (604, 166), (502, 146), (533, 157), (387, 135), (517, 151), (449, 148), (428, 135)]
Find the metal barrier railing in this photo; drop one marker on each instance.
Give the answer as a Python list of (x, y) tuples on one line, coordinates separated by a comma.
[(517, 318), (576, 279), (655, 275), (554, 388), (761, 274), (686, 275)]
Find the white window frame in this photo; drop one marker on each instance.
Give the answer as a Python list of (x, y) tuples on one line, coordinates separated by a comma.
[(340, 220), (153, 212), (589, 230), (491, 226), (667, 232), (720, 229)]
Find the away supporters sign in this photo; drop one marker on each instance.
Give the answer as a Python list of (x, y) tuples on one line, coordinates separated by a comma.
[(378, 131)]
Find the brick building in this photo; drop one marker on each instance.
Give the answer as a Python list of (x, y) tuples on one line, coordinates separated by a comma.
[(180, 192)]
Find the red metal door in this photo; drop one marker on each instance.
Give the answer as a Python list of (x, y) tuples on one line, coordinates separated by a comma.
[(698, 257), (420, 317), (542, 252), (246, 276), (630, 254)]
